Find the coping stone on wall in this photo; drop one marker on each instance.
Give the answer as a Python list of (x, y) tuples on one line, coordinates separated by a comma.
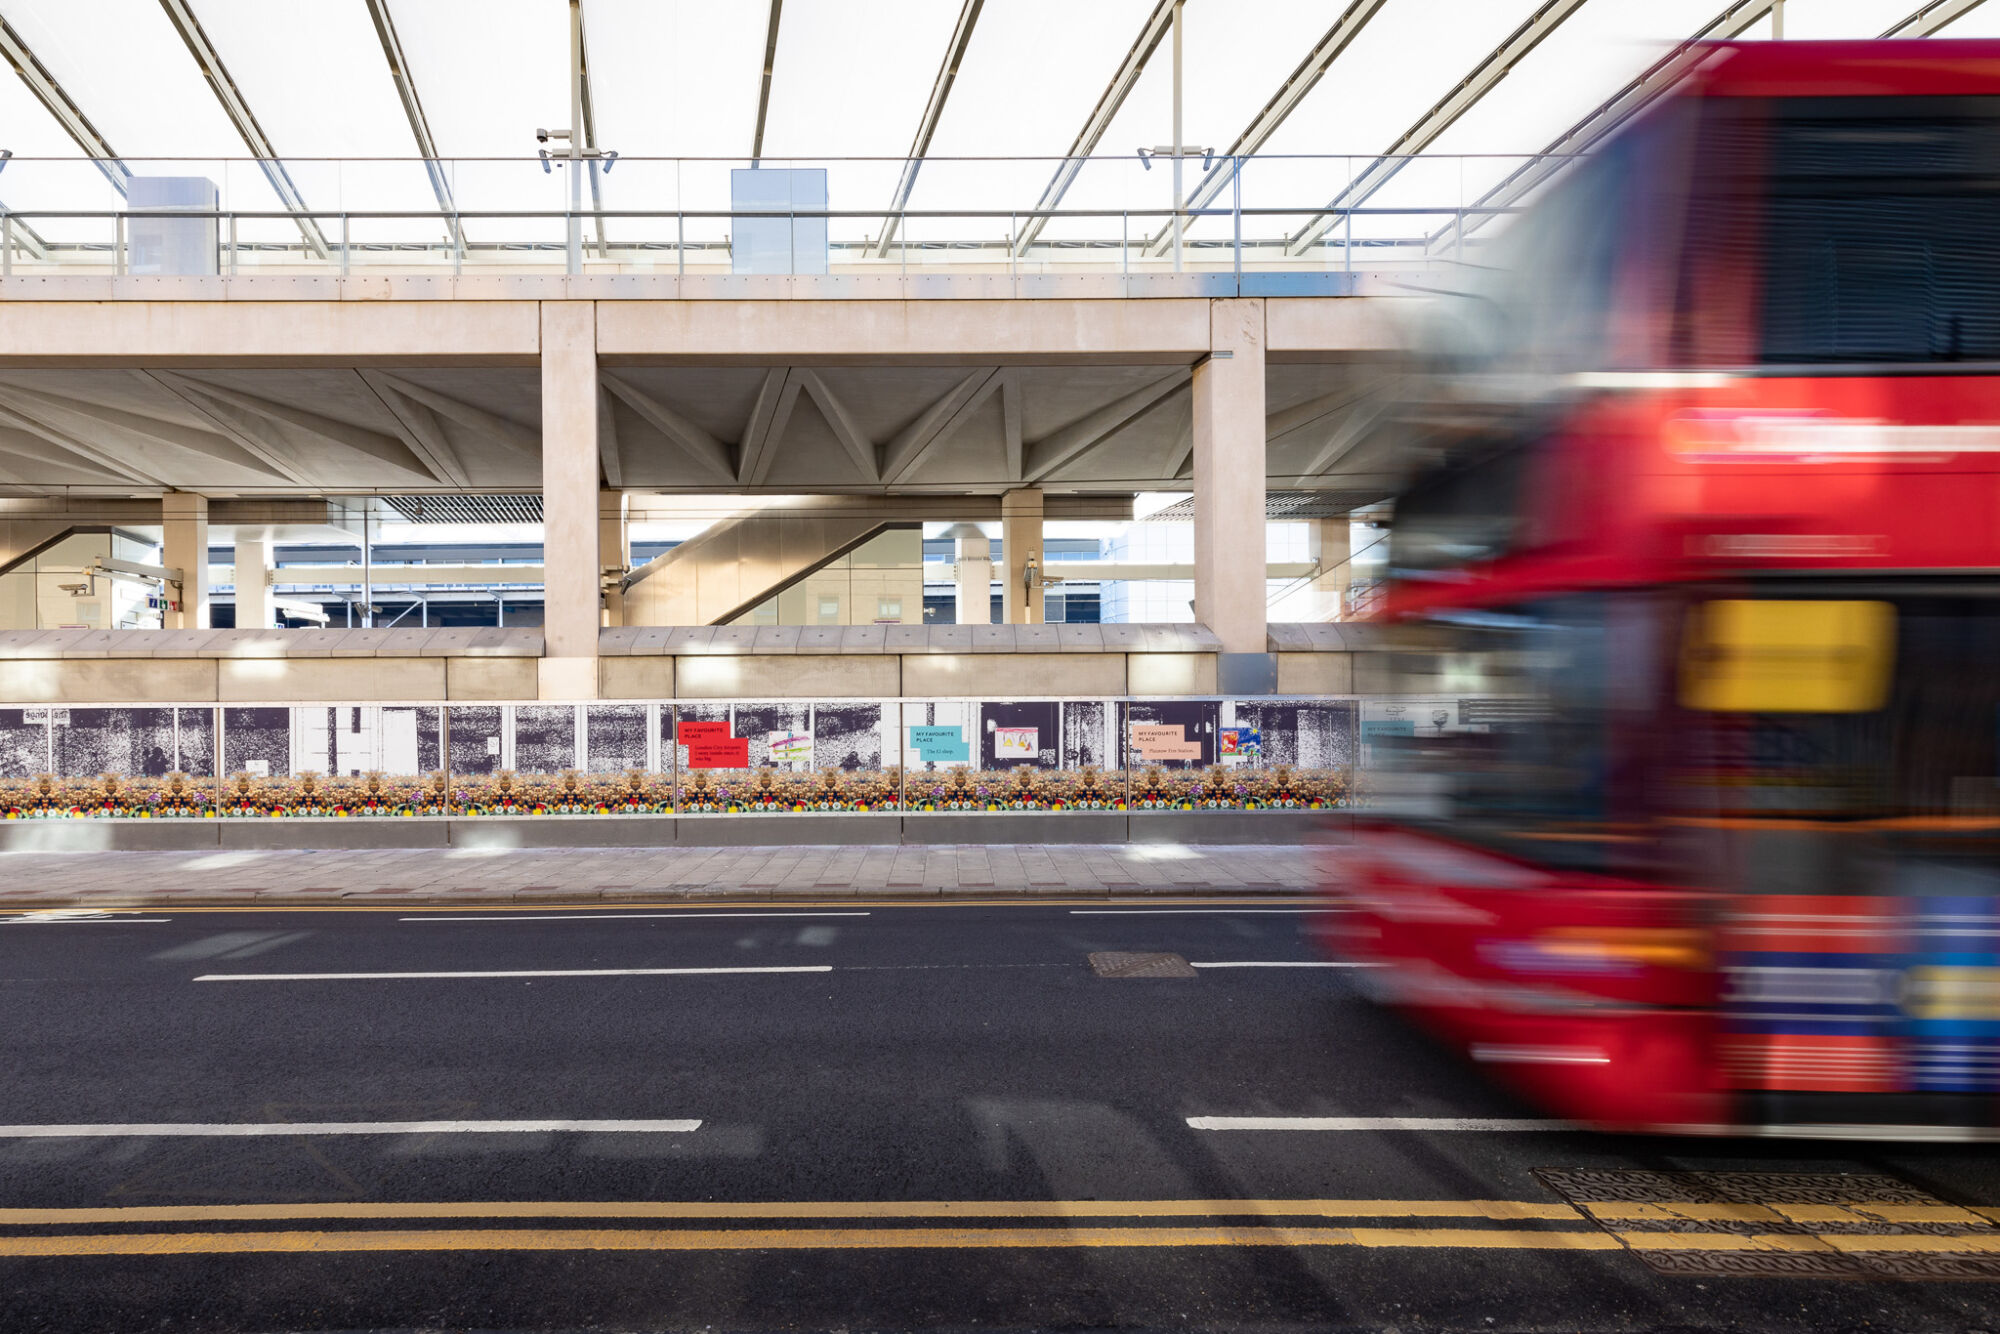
[(1080, 638), (777, 639), (501, 641), (651, 641), (315, 643), (360, 643), (818, 639), (407, 643), (140, 643), (688, 640), (449, 642), (22, 643), (992, 639), (615, 641), (733, 639), (943, 639), (864, 638), (244, 644)]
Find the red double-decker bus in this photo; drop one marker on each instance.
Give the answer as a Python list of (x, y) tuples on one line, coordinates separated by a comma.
[(1687, 815)]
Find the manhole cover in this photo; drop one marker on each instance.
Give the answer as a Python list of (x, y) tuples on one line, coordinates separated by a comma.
[(1120, 963), (1827, 1224)]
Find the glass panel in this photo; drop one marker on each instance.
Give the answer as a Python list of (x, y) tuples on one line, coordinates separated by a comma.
[(27, 790), (1283, 755), (623, 773), (1021, 755), (793, 756), (256, 749), (1170, 748), (345, 760)]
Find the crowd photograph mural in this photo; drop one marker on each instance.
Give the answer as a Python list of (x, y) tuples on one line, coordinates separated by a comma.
[(695, 758)]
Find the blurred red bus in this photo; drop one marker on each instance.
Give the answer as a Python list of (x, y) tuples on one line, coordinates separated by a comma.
[(1688, 813)]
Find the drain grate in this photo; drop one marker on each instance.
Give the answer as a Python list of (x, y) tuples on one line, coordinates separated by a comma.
[(1824, 1224), (1120, 963)]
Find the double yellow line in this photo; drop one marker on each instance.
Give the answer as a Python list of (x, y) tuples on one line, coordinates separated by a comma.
[(949, 1225)]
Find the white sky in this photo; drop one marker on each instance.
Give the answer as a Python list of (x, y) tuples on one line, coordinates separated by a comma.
[(678, 79)]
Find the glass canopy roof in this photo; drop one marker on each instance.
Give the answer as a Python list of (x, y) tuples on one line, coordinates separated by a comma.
[(349, 95)]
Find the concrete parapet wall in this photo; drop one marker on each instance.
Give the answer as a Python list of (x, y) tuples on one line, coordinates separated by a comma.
[(590, 831), (694, 662)]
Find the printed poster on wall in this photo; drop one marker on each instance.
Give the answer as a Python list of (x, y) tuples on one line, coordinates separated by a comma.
[(1016, 743), (1243, 743), (1164, 741), (709, 746), (940, 743), (790, 747)]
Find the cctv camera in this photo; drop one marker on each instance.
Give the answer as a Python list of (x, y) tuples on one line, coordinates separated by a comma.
[(541, 136)]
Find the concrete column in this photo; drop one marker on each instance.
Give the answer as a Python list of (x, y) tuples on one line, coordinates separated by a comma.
[(613, 551), (184, 517), (570, 560), (975, 580), (254, 601), (1229, 477), (1021, 540)]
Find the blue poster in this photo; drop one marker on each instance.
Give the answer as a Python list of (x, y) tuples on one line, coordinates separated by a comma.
[(941, 743)]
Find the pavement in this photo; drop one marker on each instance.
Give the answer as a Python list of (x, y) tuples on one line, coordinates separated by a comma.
[(881, 1113), (302, 877)]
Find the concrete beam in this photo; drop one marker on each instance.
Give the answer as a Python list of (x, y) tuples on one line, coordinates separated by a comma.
[(1162, 331), (270, 333)]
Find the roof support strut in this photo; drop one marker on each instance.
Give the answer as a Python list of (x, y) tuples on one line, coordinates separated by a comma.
[(1099, 120), (70, 116), (1932, 16), (1485, 76), (1736, 18), (954, 52), (764, 89), (1266, 122), (238, 111), (413, 109)]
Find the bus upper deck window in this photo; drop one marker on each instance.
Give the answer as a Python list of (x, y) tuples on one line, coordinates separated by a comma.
[(1755, 656)]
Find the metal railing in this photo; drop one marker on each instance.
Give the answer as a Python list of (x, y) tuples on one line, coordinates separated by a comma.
[(693, 218)]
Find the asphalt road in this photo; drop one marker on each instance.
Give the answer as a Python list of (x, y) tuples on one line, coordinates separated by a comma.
[(317, 1120)]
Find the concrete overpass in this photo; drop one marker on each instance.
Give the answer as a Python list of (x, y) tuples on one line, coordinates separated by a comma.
[(193, 393)]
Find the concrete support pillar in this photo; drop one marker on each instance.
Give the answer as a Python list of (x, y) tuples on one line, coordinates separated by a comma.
[(255, 609), (570, 559), (1021, 540), (184, 517), (1229, 542), (975, 580), (613, 551)]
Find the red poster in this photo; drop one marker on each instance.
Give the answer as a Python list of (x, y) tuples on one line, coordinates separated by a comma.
[(723, 752), (693, 732)]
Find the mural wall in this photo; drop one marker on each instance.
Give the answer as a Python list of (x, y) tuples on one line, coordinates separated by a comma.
[(700, 758)]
